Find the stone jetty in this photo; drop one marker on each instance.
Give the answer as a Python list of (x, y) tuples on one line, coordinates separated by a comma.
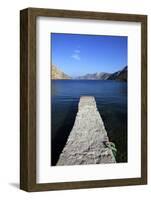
[(88, 142)]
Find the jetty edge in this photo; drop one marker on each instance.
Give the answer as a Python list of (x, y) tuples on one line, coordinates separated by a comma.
[(88, 142)]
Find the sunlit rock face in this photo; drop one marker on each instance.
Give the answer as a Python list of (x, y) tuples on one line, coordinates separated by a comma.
[(56, 73)]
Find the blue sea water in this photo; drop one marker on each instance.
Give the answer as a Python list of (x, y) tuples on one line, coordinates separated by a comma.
[(111, 99)]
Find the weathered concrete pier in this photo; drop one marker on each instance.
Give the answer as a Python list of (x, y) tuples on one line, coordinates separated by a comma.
[(88, 142)]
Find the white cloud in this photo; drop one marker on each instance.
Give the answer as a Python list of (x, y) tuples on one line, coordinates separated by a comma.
[(75, 56), (77, 51)]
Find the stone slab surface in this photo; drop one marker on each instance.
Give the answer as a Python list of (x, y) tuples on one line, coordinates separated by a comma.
[(88, 142)]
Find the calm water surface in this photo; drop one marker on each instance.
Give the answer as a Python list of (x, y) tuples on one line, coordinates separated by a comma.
[(111, 99)]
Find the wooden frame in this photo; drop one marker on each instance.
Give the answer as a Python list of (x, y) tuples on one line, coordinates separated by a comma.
[(28, 98)]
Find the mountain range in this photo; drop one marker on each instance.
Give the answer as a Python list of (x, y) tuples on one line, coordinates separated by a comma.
[(121, 75), (95, 76)]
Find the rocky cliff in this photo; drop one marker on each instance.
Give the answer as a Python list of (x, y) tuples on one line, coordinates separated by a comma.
[(120, 75), (56, 73)]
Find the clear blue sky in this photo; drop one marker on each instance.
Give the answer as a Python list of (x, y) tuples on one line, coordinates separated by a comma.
[(77, 54)]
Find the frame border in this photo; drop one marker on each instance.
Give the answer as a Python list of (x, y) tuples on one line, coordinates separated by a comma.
[(28, 98)]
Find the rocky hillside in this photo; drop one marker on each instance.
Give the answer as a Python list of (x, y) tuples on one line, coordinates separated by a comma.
[(120, 75), (56, 73)]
